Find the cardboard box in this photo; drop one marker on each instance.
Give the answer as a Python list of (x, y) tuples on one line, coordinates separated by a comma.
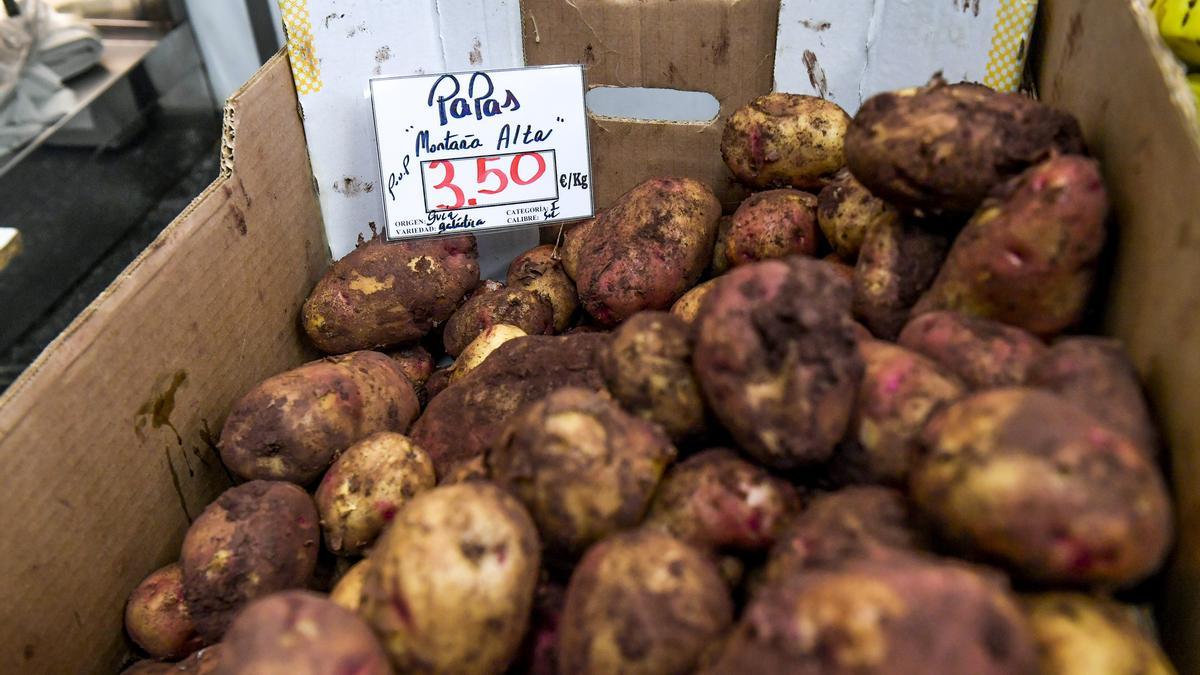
[(106, 442)]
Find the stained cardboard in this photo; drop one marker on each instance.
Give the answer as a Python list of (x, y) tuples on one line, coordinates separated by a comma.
[(88, 496)]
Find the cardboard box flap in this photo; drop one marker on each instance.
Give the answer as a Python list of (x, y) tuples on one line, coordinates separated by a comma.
[(107, 439)]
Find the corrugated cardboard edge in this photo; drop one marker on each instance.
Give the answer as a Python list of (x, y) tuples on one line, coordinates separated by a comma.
[(1104, 62), (107, 439)]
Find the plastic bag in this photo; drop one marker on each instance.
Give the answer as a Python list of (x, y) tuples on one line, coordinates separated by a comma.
[(16, 44)]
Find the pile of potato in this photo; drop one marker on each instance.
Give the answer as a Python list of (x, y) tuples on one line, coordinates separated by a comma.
[(838, 430)]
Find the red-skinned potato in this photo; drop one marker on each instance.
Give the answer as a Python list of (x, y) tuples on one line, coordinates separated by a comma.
[(981, 352), (292, 426), (714, 500), (1028, 256), (541, 271), (648, 368), (647, 250), (1030, 481), (415, 362), (641, 602), (785, 140), (385, 294), (451, 582), (493, 304), (942, 148), (572, 244), (366, 486), (772, 224), (777, 359), (156, 615), (897, 263), (847, 211), (301, 633), (255, 539), (837, 264), (582, 466), (437, 382)]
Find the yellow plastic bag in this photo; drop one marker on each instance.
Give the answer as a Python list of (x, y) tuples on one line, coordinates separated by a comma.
[(1179, 23)]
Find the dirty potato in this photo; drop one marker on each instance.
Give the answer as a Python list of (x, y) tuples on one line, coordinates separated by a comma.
[(541, 271), (837, 264), (582, 466), (1028, 256), (1028, 480), (897, 615), (1079, 634), (943, 147), (347, 592), (481, 347), (385, 294), (301, 633), (573, 243), (156, 616), (647, 250), (847, 211), (777, 359), (366, 486), (451, 581), (641, 602), (437, 382), (714, 500), (494, 304), (981, 352), (461, 423), (202, 662), (897, 263), (255, 539), (291, 426), (772, 224), (415, 362), (785, 140), (899, 390), (688, 306), (648, 368), (1096, 374)]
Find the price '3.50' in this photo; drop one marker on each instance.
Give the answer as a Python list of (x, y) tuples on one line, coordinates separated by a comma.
[(489, 180)]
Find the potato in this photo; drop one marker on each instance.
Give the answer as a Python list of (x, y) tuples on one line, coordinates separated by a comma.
[(255, 539), (714, 500), (301, 633), (437, 382), (641, 602), (1028, 256), (539, 652), (785, 140), (772, 224), (647, 250), (572, 244), (451, 581), (202, 662), (1026, 479), (981, 352), (840, 266), (720, 259), (899, 390), (688, 306), (847, 211), (897, 615), (494, 304), (156, 615), (648, 368), (470, 471), (291, 426), (366, 486), (942, 148), (415, 362), (347, 592), (897, 263), (836, 528), (461, 423), (582, 466), (1097, 375), (385, 294), (541, 271), (481, 347), (1079, 634), (777, 359)]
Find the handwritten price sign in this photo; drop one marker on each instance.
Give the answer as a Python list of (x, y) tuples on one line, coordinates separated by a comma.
[(480, 151)]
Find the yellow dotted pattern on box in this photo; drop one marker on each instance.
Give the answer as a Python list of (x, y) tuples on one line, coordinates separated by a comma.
[(1010, 36), (297, 24)]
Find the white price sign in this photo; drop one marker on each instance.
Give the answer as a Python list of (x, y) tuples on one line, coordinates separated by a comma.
[(484, 150)]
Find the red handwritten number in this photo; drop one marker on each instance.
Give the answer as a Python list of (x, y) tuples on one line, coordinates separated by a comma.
[(516, 166), (448, 182), (483, 172)]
